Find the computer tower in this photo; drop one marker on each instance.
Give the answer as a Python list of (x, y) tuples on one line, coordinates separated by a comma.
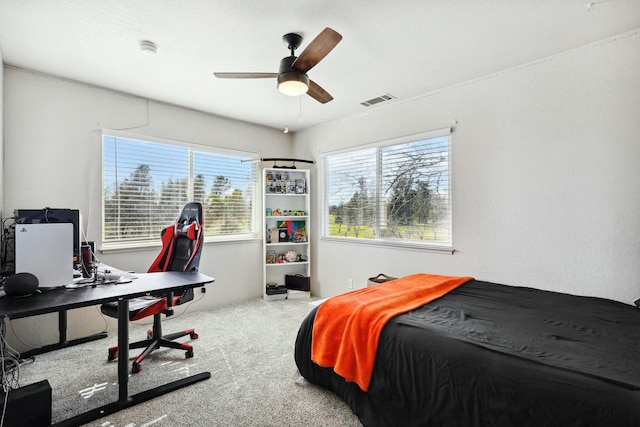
[(54, 216), (28, 406), (45, 250)]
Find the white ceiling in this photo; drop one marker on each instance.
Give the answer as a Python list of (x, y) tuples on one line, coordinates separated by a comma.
[(406, 48)]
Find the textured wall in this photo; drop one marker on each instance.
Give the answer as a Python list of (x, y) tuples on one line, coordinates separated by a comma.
[(545, 176)]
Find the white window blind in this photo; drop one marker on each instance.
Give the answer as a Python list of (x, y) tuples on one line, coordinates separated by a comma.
[(146, 184), (395, 192)]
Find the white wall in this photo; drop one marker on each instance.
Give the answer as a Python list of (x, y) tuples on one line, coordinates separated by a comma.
[(53, 158), (1, 136), (545, 176), (546, 169)]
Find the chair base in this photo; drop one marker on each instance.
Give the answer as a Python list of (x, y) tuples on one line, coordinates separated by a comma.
[(156, 340)]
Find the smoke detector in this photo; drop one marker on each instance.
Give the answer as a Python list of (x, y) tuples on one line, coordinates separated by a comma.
[(148, 47)]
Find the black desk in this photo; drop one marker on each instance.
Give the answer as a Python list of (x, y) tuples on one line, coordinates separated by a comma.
[(65, 299)]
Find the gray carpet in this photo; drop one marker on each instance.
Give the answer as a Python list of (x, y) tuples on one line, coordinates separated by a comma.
[(247, 347)]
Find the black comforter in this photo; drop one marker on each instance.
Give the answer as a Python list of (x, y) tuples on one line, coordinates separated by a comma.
[(494, 355)]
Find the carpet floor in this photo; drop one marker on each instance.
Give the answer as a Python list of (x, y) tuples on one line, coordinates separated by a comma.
[(247, 347)]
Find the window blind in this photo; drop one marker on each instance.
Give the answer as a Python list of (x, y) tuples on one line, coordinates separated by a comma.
[(146, 184), (397, 192)]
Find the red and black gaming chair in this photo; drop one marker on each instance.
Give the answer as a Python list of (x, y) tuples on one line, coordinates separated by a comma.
[(181, 249)]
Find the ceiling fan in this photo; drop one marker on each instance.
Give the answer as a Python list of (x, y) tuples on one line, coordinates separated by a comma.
[(292, 75)]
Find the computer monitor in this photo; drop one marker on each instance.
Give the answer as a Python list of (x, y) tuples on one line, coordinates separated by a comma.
[(51, 215)]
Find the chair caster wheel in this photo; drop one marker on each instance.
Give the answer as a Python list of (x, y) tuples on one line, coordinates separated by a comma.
[(135, 368), (188, 354), (113, 354), (193, 336), (149, 334)]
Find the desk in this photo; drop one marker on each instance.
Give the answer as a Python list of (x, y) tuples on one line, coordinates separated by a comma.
[(65, 299)]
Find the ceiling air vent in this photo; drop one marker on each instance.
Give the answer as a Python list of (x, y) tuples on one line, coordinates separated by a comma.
[(373, 101)]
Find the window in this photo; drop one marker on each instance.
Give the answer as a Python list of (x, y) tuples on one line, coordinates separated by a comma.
[(396, 192), (146, 184)]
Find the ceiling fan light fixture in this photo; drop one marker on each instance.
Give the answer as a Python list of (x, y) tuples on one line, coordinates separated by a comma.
[(293, 83)]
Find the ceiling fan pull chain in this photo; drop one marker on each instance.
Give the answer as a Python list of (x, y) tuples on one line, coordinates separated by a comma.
[(286, 119)]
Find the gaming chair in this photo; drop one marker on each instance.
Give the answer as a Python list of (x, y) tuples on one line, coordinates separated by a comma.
[(181, 248)]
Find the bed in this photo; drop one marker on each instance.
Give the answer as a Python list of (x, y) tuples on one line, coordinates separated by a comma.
[(487, 354)]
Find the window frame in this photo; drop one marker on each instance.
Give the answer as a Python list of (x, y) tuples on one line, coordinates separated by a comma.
[(443, 247), (143, 243)]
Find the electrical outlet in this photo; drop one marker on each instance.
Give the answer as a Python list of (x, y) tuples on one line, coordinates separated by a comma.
[(349, 283)]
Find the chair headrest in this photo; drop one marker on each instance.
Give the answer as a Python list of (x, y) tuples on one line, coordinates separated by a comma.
[(191, 212)]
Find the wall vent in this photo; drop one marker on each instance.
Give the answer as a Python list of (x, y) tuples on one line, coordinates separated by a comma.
[(379, 99)]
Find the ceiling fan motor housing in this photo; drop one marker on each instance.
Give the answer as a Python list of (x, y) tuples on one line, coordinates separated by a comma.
[(289, 73)]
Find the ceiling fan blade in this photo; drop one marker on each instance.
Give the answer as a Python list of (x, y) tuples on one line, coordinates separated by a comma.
[(317, 49), (317, 93), (245, 75)]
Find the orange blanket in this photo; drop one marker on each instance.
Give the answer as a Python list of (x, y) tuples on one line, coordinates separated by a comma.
[(347, 327)]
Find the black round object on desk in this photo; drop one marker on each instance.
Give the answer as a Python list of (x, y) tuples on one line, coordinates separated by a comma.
[(20, 285)]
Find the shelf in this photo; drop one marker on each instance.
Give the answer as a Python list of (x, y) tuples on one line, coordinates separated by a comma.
[(292, 213), (286, 194), (287, 217), (288, 264)]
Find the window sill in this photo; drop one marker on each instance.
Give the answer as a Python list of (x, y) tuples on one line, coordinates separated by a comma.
[(443, 249)]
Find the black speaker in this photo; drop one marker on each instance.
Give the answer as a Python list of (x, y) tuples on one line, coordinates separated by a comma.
[(28, 406), (21, 284)]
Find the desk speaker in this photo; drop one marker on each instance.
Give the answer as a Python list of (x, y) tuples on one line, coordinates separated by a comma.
[(21, 284)]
